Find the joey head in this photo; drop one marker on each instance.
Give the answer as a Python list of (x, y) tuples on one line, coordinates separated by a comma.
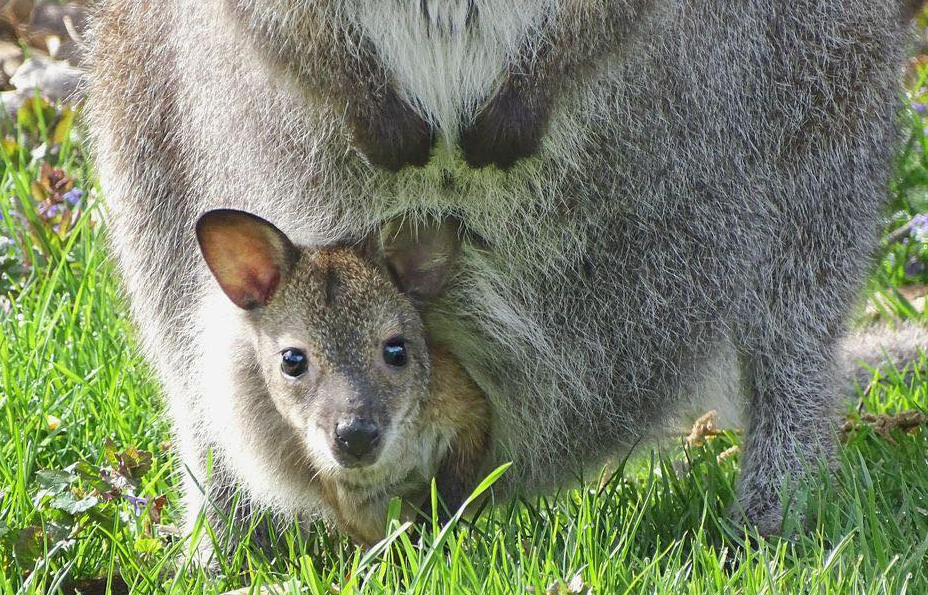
[(341, 350)]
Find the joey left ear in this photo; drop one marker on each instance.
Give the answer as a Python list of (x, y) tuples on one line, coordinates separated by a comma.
[(247, 255), (420, 257)]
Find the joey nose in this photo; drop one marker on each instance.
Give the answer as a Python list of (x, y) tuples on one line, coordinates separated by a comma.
[(357, 437)]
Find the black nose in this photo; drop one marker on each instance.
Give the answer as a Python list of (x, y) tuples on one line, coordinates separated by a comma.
[(357, 437)]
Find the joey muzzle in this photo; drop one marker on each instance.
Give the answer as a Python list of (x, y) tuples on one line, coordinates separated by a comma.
[(357, 441)]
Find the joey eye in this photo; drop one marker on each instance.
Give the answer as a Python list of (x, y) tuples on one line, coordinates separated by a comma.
[(394, 353), (293, 363)]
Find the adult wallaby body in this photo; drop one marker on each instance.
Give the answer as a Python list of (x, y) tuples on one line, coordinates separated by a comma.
[(657, 194)]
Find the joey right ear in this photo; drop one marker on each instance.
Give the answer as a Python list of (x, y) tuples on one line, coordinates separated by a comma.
[(420, 256), (247, 255)]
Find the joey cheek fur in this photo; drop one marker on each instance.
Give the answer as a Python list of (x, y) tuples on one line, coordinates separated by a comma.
[(294, 397)]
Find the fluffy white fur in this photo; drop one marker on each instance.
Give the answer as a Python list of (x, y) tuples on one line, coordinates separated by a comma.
[(443, 64)]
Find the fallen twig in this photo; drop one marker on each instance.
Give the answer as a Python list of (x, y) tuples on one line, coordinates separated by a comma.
[(884, 423)]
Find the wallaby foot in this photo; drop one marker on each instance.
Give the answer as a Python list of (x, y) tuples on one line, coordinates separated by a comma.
[(767, 506)]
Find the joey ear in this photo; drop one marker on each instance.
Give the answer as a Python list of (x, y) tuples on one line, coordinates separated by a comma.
[(420, 257), (247, 255)]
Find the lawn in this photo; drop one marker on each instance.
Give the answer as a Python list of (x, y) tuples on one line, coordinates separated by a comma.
[(89, 480)]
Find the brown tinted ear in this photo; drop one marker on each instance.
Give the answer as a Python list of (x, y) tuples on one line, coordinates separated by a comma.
[(247, 255), (420, 257)]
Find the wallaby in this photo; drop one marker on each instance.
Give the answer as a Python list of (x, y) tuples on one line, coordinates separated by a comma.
[(657, 194), (333, 338)]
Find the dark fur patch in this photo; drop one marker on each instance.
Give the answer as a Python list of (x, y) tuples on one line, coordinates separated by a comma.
[(510, 127), (911, 8), (390, 132), (332, 286), (472, 13)]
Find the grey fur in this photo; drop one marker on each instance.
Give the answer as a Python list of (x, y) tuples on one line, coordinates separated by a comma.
[(884, 349), (709, 181)]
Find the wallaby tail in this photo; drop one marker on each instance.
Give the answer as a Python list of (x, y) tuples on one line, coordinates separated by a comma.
[(881, 346)]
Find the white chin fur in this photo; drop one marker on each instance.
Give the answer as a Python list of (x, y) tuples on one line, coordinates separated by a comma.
[(404, 454), (320, 453)]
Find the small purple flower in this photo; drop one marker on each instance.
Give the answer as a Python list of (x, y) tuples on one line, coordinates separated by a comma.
[(920, 108), (138, 504), (919, 227), (914, 267), (14, 214), (50, 211), (74, 196)]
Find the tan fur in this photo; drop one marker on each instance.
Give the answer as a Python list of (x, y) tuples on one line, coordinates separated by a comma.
[(460, 409)]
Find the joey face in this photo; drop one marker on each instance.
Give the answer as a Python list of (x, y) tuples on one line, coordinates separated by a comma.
[(337, 335), (343, 354)]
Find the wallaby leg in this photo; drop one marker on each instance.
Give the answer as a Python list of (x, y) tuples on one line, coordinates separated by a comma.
[(791, 425), (792, 317)]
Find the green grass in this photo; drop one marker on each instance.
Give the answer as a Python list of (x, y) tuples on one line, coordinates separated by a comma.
[(76, 397)]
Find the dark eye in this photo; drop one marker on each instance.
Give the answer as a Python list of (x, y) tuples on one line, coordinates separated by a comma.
[(293, 363), (394, 353)]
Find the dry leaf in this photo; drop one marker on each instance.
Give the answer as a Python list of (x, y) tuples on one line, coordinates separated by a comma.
[(11, 57), (575, 586), (14, 14), (883, 424), (704, 428), (728, 453), (58, 29), (56, 80)]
